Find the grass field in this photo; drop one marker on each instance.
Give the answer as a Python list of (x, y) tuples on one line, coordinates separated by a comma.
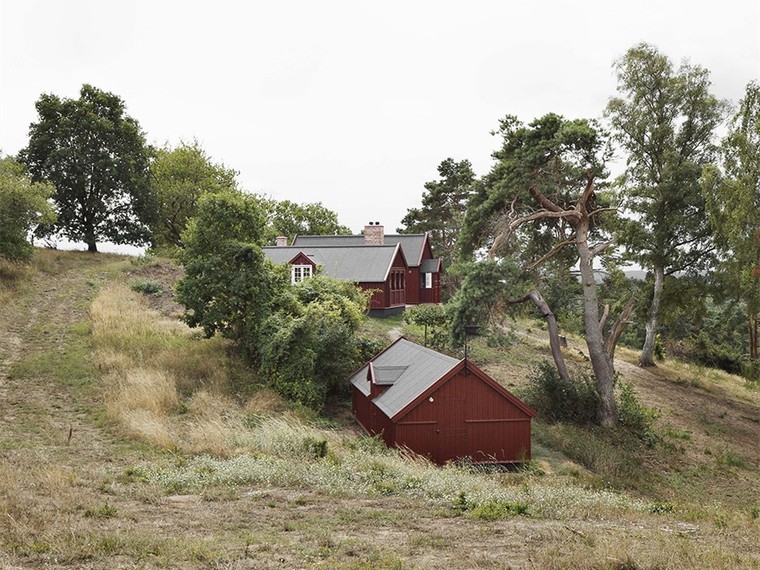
[(130, 441)]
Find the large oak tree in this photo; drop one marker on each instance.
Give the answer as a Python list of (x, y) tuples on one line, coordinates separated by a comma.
[(96, 157)]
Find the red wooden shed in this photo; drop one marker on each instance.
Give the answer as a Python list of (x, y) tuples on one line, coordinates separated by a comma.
[(440, 407)]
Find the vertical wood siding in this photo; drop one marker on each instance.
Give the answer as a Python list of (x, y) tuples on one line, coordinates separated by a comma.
[(467, 418)]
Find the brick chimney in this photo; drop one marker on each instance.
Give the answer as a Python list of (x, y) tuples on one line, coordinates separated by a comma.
[(374, 234), (282, 241)]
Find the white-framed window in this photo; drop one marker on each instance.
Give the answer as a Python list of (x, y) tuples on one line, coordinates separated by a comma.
[(299, 272), (428, 280)]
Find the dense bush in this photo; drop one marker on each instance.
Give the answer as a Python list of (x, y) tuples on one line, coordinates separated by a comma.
[(558, 401), (301, 338), (576, 401)]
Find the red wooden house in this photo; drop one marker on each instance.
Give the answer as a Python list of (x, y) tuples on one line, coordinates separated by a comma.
[(400, 269), (440, 407)]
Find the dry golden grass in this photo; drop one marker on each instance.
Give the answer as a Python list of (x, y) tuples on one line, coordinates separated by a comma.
[(163, 384)]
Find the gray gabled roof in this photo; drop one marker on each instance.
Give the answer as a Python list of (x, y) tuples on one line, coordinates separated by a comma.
[(411, 244), (358, 264), (409, 368), (430, 265)]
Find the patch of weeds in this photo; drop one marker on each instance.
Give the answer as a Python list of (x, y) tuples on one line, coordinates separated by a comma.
[(675, 433), (727, 458), (721, 522), (104, 511), (658, 508), (371, 445), (635, 416), (148, 287), (490, 510), (316, 448), (40, 548), (754, 512)]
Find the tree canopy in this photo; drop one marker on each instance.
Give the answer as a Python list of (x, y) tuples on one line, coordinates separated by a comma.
[(23, 206), (539, 204), (733, 198), (444, 203), (97, 158), (290, 219), (179, 177), (665, 121)]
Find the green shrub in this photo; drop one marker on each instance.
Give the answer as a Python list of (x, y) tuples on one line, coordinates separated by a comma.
[(434, 321), (635, 416), (556, 400), (148, 287)]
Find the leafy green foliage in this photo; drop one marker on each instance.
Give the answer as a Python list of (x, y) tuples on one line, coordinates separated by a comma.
[(309, 346), (665, 120), (97, 158), (148, 287), (302, 338), (480, 298), (290, 219), (635, 416), (229, 287), (733, 199), (179, 177), (435, 321), (23, 206), (444, 203), (555, 400)]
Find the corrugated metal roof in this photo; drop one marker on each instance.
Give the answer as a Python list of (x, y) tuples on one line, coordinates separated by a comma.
[(422, 367), (358, 264), (411, 244)]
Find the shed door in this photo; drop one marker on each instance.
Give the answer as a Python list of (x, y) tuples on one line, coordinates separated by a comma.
[(453, 436)]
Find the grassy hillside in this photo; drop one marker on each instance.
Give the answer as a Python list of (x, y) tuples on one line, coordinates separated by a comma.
[(129, 441)]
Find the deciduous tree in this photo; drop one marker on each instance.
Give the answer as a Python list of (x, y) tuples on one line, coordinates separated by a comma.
[(179, 177), (733, 198), (290, 219), (23, 206), (664, 119), (229, 287), (96, 157)]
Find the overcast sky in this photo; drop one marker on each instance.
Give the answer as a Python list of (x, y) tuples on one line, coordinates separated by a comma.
[(351, 103)]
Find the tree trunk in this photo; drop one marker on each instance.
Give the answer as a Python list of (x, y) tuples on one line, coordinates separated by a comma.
[(617, 329), (92, 247), (753, 337), (551, 322), (600, 361), (647, 353)]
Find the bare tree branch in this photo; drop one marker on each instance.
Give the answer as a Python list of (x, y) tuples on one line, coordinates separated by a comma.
[(543, 201), (551, 322), (605, 314), (554, 251), (539, 215), (622, 321), (597, 249)]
